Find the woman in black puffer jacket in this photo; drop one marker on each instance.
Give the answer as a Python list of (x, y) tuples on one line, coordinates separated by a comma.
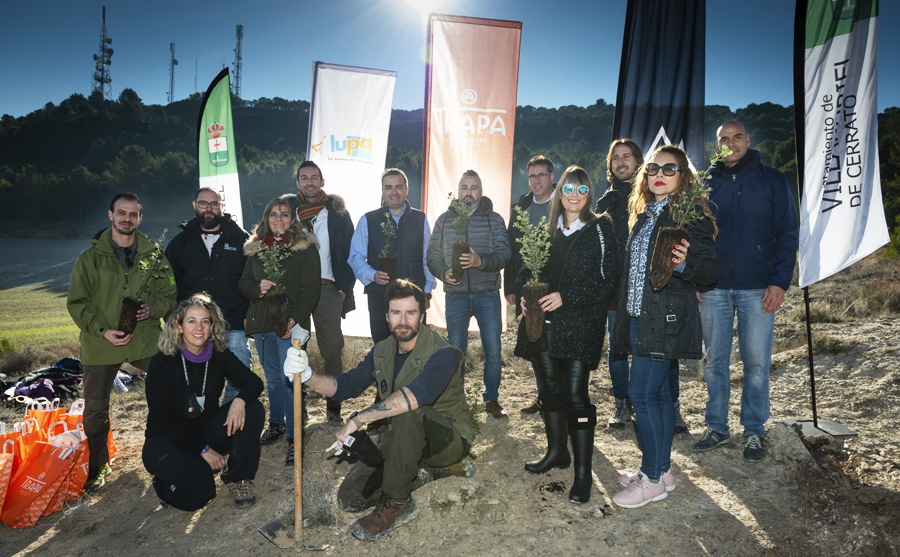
[(582, 276), (659, 326)]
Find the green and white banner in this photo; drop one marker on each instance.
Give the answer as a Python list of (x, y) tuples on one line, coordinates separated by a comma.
[(216, 148), (841, 212)]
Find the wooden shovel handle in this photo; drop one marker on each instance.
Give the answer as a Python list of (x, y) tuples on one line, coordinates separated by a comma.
[(298, 455)]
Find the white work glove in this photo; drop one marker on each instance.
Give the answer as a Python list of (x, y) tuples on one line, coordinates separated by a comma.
[(297, 362)]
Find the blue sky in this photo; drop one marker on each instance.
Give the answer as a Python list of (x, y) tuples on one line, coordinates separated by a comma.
[(570, 48)]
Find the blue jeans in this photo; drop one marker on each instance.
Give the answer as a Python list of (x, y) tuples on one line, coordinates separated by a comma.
[(272, 352), (240, 347), (485, 307), (651, 399), (618, 366), (756, 331)]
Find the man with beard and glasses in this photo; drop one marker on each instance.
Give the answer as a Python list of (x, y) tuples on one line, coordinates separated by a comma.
[(103, 275), (622, 161), (477, 293), (208, 256), (418, 378)]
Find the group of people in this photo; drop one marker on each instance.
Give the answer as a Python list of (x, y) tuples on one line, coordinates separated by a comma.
[(738, 259)]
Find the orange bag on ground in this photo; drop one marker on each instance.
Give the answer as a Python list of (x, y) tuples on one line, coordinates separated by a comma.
[(39, 505), (30, 434), (44, 411), (75, 416), (6, 462), (74, 486), (47, 464)]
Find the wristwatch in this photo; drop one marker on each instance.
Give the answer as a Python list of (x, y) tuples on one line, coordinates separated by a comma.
[(355, 420)]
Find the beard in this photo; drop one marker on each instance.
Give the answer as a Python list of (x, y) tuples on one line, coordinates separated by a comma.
[(208, 220), (124, 232), (404, 333)]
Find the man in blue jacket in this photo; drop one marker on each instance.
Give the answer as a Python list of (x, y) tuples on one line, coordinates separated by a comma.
[(757, 249)]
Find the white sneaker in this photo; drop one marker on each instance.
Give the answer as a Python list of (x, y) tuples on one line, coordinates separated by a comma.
[(668, 478), (640, 492)]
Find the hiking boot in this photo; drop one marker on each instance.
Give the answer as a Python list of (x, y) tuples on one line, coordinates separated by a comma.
[(386, 516), (240, 490), (333, 416), (680, 424), (753, 449), (272, 433), (640, 492), (710, 440), (493, 408), (668, 479), (534, 408), (462, 469), (621, 416), (289, 456), (96, 478)]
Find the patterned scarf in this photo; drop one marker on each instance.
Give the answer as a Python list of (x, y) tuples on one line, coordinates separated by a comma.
[(308, 211), (637, 272)]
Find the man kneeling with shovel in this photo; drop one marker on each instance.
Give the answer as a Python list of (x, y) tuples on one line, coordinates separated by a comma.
[(418, 379)]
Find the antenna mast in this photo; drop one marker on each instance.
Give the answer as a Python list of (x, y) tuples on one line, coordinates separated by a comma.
[(172, 63), (236, 86), (195, 74), (101, 80)]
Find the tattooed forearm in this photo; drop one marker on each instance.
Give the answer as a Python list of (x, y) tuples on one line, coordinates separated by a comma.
[(400, 402), (408, 405)]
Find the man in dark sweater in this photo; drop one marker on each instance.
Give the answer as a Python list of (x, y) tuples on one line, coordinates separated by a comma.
[(208, 256), (418, 378), (537, 204), (622, 162)]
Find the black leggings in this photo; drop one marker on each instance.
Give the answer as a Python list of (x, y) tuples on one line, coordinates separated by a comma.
[(565, 383), (185, 480)]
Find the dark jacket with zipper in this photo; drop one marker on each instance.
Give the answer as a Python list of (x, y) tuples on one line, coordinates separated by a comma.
[(589, 278), (615, 203), (486, 234), (217, 273), (758, 226), (302, 275), (670, 318), (511, 272), (406, 245)]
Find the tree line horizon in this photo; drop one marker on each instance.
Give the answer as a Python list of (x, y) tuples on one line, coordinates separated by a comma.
[(85, 149)]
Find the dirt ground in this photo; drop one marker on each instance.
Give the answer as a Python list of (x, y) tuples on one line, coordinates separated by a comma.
[(824, 497)]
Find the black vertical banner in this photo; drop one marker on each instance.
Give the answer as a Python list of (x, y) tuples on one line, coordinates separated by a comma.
[(662, 76)]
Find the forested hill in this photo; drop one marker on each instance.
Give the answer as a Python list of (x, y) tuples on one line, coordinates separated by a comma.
[(75, 155)]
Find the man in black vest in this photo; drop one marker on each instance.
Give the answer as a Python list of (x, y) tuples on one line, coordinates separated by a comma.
[(409, 233), (418, 378)]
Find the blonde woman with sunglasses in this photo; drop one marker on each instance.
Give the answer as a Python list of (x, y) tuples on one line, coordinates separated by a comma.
[(582, 276)]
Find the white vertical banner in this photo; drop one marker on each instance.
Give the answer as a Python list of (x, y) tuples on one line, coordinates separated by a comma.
[(841, 213), (349, 121)]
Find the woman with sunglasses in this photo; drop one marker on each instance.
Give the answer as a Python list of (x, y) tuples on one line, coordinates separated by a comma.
[(657, 327), (582, 276), (302, 284)]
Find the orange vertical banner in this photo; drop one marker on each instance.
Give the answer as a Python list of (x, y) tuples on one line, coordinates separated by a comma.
[(471, 80)]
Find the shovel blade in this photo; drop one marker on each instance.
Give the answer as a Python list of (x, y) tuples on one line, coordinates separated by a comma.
[(276, 533)]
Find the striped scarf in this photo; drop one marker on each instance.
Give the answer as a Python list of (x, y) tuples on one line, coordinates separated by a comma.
[(308, 211)]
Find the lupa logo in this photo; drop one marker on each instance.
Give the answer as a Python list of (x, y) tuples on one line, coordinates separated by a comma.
[(353, 146), (469, 96)]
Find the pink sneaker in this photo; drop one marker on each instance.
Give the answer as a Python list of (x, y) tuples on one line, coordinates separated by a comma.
[(640, 492), (668, 478)]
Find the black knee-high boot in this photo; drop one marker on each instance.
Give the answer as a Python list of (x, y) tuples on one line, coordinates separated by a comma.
[(555, 423), (581, 430)]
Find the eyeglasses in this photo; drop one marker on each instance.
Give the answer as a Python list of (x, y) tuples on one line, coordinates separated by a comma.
[(669, 169), (569, 188), (541, 176), (205, 204)]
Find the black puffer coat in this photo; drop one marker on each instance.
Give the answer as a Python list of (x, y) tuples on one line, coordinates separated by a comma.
[(588, 281), (670, 319)]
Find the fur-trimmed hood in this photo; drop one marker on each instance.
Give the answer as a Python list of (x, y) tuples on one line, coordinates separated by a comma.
[(303, 240)]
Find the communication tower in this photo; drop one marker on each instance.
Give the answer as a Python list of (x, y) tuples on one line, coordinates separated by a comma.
[(100, 80), (172, 63), (236, 86), (195, 74)]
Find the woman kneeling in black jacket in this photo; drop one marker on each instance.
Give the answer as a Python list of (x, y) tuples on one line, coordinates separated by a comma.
[(582, 276), (187, 432), (659, 326)]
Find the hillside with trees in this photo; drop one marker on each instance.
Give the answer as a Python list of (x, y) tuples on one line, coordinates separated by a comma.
[(76, 154)]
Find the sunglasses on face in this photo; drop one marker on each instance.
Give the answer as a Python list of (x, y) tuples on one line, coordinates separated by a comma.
[(569, 188), (669, 169)]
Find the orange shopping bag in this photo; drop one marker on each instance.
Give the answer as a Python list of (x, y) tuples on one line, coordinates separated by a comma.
[(44, 411), (56, 502), (74, 486), (75, 416), (46, 465), (6, 462), (29, 434)]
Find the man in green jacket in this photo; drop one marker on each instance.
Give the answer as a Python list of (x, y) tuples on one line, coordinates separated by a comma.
[(418, 380), (103, 275)]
